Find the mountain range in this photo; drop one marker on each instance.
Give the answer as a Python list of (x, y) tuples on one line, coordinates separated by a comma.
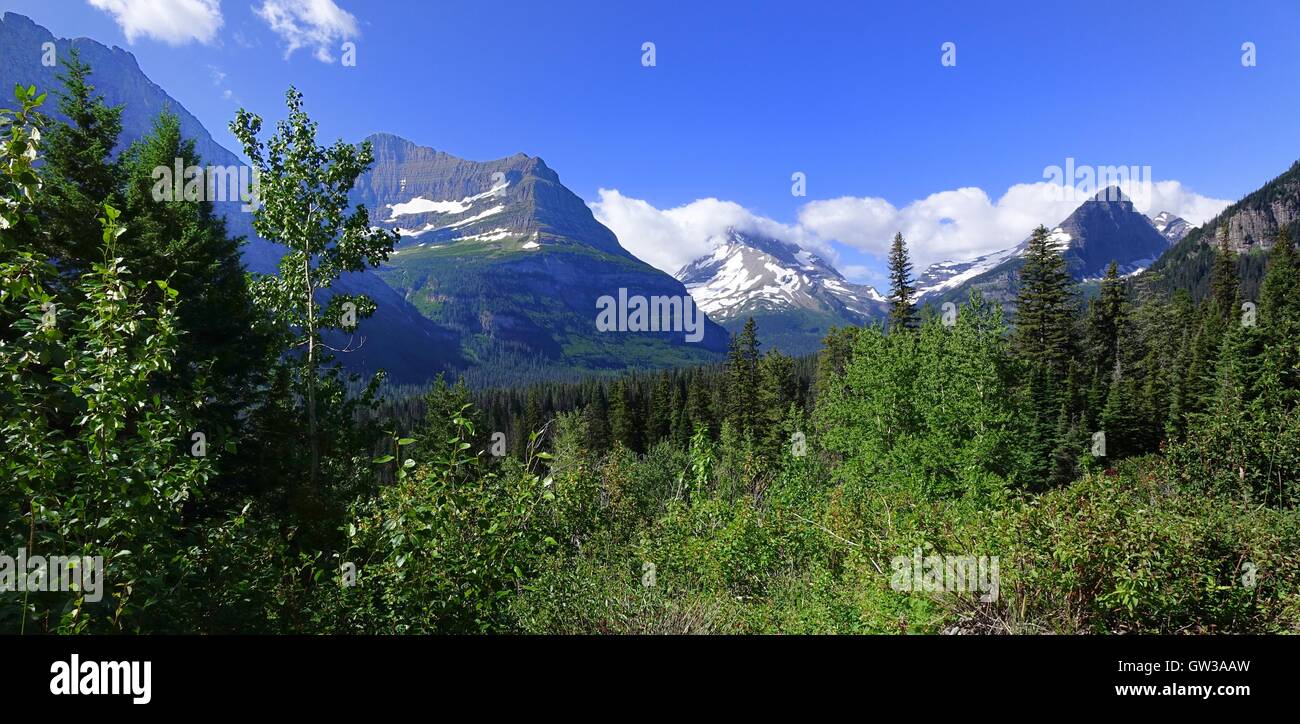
[(1251, 225), (500, 269), (1103, 229)]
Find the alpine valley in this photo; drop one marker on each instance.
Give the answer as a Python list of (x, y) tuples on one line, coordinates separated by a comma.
[(500, 269)]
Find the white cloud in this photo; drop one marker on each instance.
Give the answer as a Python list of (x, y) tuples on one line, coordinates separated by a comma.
[(672, 238), (318, 24), (174, 22), (966, 223), (957, 225)]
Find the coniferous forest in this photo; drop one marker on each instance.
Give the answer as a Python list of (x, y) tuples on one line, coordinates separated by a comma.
[(1130, 459)]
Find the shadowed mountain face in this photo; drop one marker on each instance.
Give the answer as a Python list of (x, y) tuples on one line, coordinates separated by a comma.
[(116, 76), (794, 295), (398, 339), (1107, 228), (504, 254)]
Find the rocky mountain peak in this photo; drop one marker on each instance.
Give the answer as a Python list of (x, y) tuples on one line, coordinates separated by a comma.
[(517, 202), (1172, 227), (749, 273)]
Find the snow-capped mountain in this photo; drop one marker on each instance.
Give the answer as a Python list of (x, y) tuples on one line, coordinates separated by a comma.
[(507, 257), (793, 294), (951, 274), (1173, 228), (1103, 229), (748, 273)]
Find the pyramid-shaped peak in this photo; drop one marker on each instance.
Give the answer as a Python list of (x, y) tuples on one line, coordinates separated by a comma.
[(1111, 194)]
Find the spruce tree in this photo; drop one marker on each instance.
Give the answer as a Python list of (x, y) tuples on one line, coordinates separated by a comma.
[(1045, 305), (78, 174), (1224, 282), (902, 288), (742, 379), (186, 243), (597, 417), (775, 393), (1045, 341), (622, 416), (1107, 318)]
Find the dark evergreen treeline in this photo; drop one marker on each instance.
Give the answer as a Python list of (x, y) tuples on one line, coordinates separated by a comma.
[(636, 409)]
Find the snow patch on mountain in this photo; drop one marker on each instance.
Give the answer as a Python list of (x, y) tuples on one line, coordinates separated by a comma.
[(422, 205), (746, 273), (946, 275), (1171, 227)]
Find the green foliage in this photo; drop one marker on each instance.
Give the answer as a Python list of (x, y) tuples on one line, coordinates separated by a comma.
[(78, 174), (1133, 554), (93, 462), (443, 548), (902, 287), (932, 413), (768, 494), (303, 205)]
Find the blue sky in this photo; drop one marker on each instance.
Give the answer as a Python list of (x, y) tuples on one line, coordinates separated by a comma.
[(743, 95)]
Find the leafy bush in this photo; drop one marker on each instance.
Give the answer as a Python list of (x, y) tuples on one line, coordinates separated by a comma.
[(1128, 553)]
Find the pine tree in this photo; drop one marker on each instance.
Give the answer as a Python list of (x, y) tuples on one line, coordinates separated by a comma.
[(1224, 281), (622, 416), (902, 288), (78, 174), (1045, 306), (1280, 325), (185, 243), (699, 405), (597, 417), (1280, 291), (742, 379), (1045, 340), (775, 394), (1107, 318), (660, 420)]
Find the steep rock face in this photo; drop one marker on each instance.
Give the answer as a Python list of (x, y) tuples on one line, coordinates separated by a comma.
[(504, 254), (1107, 228), (1253, 222), (1252, 225), (1255, 227), (794, 295)]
